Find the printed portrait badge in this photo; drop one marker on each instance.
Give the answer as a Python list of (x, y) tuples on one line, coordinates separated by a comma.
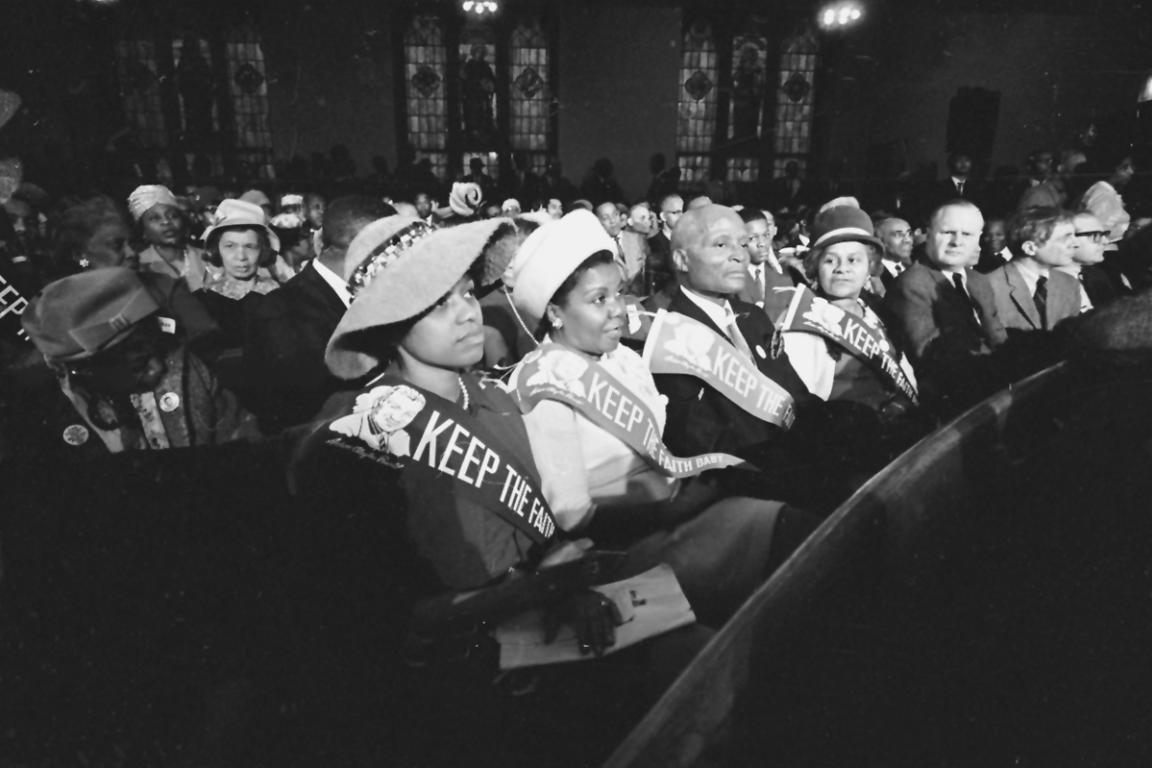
[(167, 324), (76, 434), (169, 401)]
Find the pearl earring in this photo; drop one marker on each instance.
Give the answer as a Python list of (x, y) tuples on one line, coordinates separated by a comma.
[(84, 263), (557, 323)]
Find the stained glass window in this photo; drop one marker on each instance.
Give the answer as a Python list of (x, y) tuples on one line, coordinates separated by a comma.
[(696, 124), (425, 64), (745, 108), (743, 169), (140, 91), (795, 98), (248, 89), (529, 94), (478, 103)]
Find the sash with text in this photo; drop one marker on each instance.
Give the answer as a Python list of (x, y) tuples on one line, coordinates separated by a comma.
[(408, 427), (863, 337), (680, 345), (12, 305), (554, 373)]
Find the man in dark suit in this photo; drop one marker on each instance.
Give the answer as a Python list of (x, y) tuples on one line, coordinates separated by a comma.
[(286, 334), (1101, 281), (946, 312), (710, 255), (769, 283), (1031, 294), (959, 185), (896, 235)]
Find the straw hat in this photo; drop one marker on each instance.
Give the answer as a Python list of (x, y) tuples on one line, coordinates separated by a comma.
[(406, 285)]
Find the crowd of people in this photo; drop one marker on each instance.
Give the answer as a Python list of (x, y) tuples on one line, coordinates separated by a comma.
[(532, 400)]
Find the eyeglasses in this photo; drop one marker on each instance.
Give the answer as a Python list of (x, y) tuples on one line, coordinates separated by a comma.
[(1095, 236)]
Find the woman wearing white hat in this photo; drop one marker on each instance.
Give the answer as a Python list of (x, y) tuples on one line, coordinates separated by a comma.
[(595, 417), (241, 250), (439, 459)]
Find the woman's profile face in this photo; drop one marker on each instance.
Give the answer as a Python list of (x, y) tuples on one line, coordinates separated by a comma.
[(451, 335), (591, 318), (108, 247), (162, 225), (842, 270), (240, 253)]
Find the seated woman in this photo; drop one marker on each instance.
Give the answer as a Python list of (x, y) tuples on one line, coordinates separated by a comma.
[(427, 497), (841, 347), (162, 226), (126, 381), (609, 474), (93, 235)]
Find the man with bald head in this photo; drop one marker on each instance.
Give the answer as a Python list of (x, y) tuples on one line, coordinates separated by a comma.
[(287, 331), (710, 255)]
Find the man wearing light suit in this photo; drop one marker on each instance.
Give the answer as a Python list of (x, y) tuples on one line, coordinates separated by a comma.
[(1030, 294)]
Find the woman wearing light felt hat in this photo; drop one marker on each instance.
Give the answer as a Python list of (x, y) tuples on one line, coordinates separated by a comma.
[(597, 478), (241, 250), (444, 452)]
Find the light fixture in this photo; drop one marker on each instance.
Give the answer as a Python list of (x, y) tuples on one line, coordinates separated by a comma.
[(1145, 92), (480, 7), (840, 15)]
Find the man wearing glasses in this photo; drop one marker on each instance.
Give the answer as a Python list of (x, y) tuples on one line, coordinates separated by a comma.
[(1100, 283)]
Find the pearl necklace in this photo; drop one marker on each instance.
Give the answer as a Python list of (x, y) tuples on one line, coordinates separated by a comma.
[(463, 391)]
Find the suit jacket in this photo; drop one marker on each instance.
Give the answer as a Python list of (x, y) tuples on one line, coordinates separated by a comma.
[(285, 338), (936, 320), (1102, 284), (701, 419), (774, 301), (1016, 307)]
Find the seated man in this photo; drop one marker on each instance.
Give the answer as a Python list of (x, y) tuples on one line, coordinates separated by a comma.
[(1030, 294), (286, 334), (1101, 281), (769, 283), (710, 254), (946, 312)]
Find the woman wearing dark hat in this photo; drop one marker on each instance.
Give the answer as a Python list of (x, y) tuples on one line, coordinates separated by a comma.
[(127, 382), (93, 235), (435, 485), (595, 418), (836, 341), (844, 352)]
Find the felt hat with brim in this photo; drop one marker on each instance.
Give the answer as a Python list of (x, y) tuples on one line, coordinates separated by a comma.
[(549, 255), (841, 224), (238, 213), (406, 286), (79, 316)]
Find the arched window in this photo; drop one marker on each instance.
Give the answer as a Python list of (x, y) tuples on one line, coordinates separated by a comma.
[(197, 102), (530, 95), (425, 67), (795, 97), (696, 124)]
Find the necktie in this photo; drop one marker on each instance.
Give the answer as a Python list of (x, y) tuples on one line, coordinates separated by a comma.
[(758, 284), (737, 337), (960, 188), (958, 281), (1040, 297)]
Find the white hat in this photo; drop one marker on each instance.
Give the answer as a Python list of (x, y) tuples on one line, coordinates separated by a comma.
[(146, 196), (550, 254), (238, 213)]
